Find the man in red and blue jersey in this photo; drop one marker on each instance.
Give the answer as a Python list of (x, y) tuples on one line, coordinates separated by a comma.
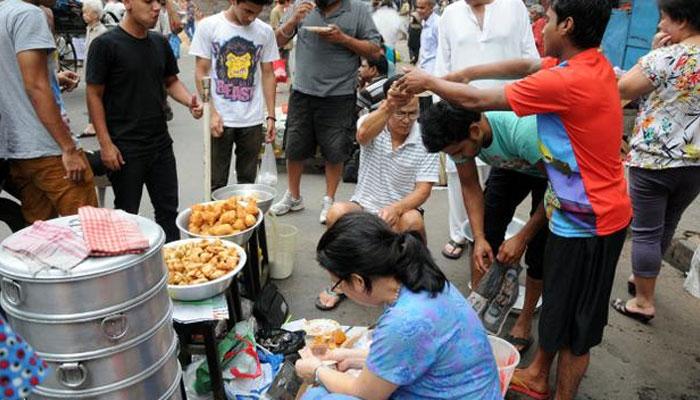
[(574, 94)]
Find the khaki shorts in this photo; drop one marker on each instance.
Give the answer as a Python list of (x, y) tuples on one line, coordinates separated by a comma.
[(44, 191)]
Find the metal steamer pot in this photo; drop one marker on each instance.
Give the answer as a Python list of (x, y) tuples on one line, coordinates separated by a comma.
[(81, 335), (110, 365), (104, 328), (155, 382), (97, 283)]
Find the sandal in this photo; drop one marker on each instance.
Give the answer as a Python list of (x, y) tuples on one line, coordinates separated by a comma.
[(523, 343), (457, 250), (621, 307), (517, 385), (338, 296)]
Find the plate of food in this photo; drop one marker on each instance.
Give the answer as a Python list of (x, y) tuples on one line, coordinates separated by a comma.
[(201, 268), (232, 219), (317, 29), (321, 327)]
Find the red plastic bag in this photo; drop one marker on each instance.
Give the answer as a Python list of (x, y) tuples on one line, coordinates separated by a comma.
[(280, 69)]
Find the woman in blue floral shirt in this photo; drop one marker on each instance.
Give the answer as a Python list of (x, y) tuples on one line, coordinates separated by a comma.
[(428, 343), (664, 160)]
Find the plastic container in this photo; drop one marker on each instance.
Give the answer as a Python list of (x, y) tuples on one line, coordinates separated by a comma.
[(284, 250), (507, 358)]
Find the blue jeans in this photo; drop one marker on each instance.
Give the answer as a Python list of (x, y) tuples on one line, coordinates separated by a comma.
[(320, 393)]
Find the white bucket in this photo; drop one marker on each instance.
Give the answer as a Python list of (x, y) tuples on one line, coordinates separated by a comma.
[(507, 358), (284, 251)]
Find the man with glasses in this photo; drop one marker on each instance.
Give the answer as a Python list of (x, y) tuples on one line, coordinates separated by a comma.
[(396, 172)]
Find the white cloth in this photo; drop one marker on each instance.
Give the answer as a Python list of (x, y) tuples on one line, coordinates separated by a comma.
[(387, 175), (389, 24), (236, 53), (117, 9), (455, 205)]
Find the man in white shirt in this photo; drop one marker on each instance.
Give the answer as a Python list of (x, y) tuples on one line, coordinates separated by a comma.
[(389, 23), (473, 32), (428, 36), (236, 49), (396, 173)]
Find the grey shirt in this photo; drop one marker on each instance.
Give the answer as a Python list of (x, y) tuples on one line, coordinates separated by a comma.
[(326, 69), (23, 27)]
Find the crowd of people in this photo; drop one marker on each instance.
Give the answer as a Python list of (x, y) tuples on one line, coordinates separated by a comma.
[(526, 92)]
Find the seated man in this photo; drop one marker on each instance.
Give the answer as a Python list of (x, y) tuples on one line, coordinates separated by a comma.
[(372, 75), (510, 146), (396, 173)]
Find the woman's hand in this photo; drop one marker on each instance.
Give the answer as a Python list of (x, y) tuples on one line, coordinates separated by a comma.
[(306, 368), (661, 39)]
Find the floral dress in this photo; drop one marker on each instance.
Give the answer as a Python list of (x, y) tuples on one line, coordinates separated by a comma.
[(667, 129), (20, 368)]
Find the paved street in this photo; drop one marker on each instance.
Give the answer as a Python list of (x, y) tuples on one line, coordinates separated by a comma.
[(646, 362)]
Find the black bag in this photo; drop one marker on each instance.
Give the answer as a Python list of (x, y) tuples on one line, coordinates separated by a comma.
[(270, 309)]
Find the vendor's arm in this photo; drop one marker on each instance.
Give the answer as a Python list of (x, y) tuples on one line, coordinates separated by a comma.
[(512, 249), (508, 69), (473, 195)]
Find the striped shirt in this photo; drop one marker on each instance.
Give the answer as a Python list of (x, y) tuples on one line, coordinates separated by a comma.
[(388, 175), (372, 95)]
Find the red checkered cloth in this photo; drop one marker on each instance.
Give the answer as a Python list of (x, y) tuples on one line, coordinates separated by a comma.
[(45, 245), (111, 232)]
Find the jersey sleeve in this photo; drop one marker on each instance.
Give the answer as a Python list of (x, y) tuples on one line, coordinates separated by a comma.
[(542, 92), (30, 31), (98, 62), (658, 64), (270, 50), (201, 44)]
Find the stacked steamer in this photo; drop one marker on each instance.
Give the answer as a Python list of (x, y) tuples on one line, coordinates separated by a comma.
[(105, 329)]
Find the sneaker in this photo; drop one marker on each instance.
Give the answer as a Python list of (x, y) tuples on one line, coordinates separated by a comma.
[(287, 204), (326, 205), (495, 315)]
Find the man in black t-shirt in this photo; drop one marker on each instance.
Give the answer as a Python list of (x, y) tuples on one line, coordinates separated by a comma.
[(127, 69)]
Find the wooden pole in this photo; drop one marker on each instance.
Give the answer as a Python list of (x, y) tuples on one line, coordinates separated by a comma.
[(206, 132)]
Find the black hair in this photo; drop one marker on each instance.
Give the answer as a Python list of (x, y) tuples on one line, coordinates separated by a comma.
[(362, 243), (444, 124), (389, 82), (258, 2), (590, 20), (682, 11), (380, 64)]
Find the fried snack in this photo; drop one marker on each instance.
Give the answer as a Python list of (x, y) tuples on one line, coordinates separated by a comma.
[(199, 262), (224, 218), (321, 344)]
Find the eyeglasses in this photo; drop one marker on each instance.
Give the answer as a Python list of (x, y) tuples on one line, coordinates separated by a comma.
[(337, 284), (407, 115)]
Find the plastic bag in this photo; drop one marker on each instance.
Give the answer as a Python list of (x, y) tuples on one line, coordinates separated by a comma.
[(279, 68), (237, 354), (268, 167), (692, 282)]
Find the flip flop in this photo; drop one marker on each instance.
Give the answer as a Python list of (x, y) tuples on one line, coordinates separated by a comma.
[(518, 341), (621, 307), (457, 250), (339, 299), (519, 386)]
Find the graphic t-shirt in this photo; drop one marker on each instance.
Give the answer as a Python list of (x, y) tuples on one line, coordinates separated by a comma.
[(514, 144), (434, 348), (236, 53), (579, 122), (133, 71)]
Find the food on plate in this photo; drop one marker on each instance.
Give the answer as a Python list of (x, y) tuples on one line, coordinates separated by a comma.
[(318, 29), (323, 343), (321, 327), (225, 217), (198, 262)]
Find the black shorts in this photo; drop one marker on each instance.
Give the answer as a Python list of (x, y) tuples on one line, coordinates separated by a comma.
[(578, 278), (505, 190), (326, 122)]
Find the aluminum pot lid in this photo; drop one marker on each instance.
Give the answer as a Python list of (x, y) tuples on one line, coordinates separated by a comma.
[(13, 267)]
